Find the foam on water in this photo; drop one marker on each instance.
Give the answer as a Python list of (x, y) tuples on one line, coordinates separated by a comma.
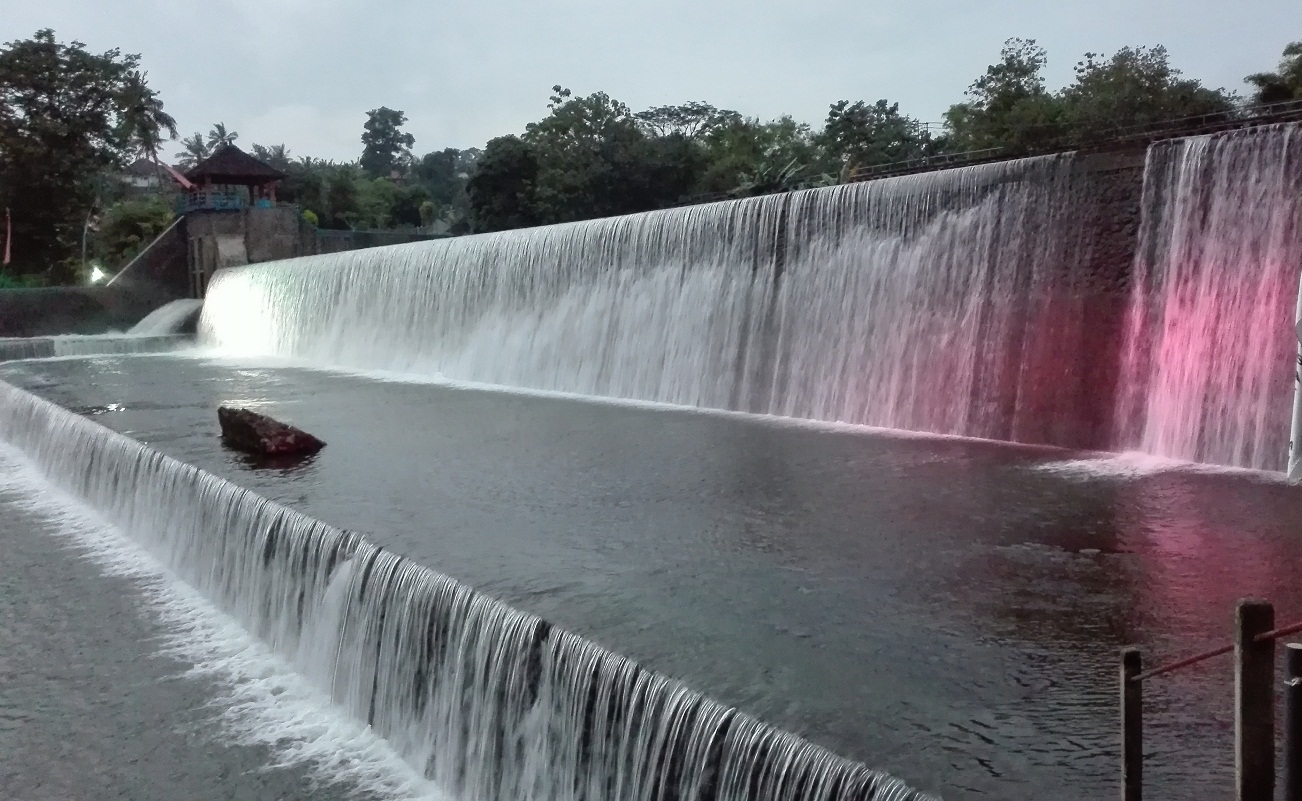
[(167, 319), (263, 702), (1135, 464)]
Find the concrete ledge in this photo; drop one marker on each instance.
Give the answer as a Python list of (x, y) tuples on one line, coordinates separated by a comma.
[(15, 348)]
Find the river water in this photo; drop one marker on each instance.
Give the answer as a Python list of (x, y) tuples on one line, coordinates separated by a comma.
[(948, 610)]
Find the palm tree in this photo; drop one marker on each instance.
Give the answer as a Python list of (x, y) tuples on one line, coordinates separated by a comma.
[(194, 150), (219, 136), (1284, 84), (275, 155), (143, 118)]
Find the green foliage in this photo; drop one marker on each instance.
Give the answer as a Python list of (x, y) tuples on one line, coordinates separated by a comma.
[(69, 119), (861, 135), (444, 175), (1011, 109), (144, 121), (276, 155), (587, 151), (692, 121), (196, 147), (219, 136), (1136, 86), (502, 190), (1283, 84), (1008, 107), (747, 156), (67, 116), (127, 227), (17, 280), (385, 146), (194, 150)]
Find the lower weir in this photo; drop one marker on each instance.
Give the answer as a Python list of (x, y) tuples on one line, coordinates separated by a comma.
[(1088, 301), (489, 702)]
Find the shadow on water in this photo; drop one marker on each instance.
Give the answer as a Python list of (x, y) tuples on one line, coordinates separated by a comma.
[(285, 464)]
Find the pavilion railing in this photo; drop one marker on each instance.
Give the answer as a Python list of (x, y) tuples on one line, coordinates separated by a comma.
[(211, 200)]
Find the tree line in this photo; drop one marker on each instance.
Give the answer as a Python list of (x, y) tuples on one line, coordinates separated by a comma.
[(70, 119)]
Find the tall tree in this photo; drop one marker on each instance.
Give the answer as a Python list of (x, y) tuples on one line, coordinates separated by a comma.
[(1136, 86), (693, 120), (1283, 84), (748, 157), (444, 175), (193, 150), (502, 190), (144, 121), (67, 115), (219, 136), (1009, 106), (863, 135), (386, 145), (275, 155), (588, 150)]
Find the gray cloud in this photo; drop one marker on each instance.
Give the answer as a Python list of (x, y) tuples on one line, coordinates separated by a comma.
[(304, 72)]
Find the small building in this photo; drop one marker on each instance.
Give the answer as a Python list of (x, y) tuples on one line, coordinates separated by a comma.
[(147, 177), (230, 180)]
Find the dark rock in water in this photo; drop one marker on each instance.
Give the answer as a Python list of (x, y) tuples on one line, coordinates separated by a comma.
[(258, 434)]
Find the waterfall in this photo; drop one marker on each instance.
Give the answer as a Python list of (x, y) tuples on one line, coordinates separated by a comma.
[(919, 302), (491, 703), (1209, 339), (1009, 301), (167, 319)]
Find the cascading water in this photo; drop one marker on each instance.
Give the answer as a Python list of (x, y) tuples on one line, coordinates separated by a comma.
[(167, 319), (1209, 338), (915, 302), (492, 703), (156, 333)]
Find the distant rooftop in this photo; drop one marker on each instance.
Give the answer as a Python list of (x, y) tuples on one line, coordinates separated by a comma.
[(230, 165)]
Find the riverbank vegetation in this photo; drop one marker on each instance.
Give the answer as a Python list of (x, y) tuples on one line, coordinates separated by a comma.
[(71, 121)]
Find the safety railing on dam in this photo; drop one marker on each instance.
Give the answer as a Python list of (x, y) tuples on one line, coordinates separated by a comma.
[(1254, 706), (1118, 138)]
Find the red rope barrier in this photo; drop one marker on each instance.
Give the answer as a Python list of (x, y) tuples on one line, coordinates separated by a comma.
[(1186, 662), (1273, 634)]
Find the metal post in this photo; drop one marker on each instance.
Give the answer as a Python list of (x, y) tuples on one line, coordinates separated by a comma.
[(1132, 726), (1295, 432), (1254, 703), (1294, 466), (1293, 722)]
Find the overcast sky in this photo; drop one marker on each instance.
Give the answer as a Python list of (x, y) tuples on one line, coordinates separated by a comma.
[(304, 72)]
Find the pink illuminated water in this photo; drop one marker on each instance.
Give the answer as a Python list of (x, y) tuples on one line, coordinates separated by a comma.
[(1207, 372), (996, 301), (903, 303)]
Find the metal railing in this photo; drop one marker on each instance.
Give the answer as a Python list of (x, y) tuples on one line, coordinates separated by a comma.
[(1116, 138), (1254, 707), (211, 200)]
